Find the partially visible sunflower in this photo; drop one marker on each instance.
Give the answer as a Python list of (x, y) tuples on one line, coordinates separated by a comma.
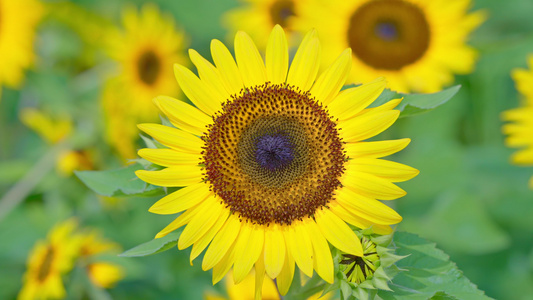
[(416, 44), (145, 49), (18, 22), (520, 128), (258, 17), (49, 261), (272, 160), (101, 273), (54, 130)]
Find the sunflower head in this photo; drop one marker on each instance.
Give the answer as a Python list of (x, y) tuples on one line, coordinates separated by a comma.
[(519, 130), (272, 160), (49, 260), (418, 45)]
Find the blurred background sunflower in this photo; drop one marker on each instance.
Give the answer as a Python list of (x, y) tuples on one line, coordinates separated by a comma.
[(417, 45)]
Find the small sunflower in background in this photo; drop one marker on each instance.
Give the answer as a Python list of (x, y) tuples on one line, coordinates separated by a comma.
[(101, 273), (146, 48), (258, 17), (520, 126), (417, 45), (272, 160), (18, 22), (49, 261), (54, 130)]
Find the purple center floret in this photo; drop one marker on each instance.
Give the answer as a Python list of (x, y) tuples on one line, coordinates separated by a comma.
[(274, 151)]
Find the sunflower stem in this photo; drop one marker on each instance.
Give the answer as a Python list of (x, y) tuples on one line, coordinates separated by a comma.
[(23, 187)]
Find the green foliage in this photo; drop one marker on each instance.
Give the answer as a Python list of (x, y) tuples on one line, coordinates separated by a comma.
[(415, 104), (154, 246), (427, 273), (119, 182)]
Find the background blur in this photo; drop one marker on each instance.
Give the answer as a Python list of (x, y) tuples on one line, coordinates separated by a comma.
[(468, 198)]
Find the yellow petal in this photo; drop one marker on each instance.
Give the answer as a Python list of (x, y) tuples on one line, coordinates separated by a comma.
[(375, 149), (197, 91), (173, 138), (372, 186), (367, 208), (277, 56), (390, 170), (227, 67), (222, 242), (357, 220), (249, 60), (224, 265), (367, 126), (209, 211), (169, 157), (202, 243), (352, 101), (299, 246), (322, 260), (181, 199), (259, 275), (284, 279), (209, 75), (330, 82), (338, 233), (304, 66), (274, 250), (183, 219), (183, 115), (172, 176), (247, 250)]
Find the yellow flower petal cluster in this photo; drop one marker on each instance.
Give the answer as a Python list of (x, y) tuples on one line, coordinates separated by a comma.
[(519, 130), (18, 22), (145, 50), (49, 261), (272, 160), (101, 273), (416, 44)]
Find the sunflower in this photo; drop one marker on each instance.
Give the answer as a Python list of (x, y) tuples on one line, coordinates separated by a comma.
[(102, 274), (520, 130), (55, 130), (416, 44), (48, 261), (18, 20), (268, 177), (258, 17), (145, 50)]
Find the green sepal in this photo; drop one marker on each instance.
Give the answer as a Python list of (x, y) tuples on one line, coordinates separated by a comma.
[(154, 246), (119, 182)]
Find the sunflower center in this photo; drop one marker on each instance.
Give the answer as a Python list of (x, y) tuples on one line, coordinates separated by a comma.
[(274, 151), (148, 67), (46, 264), (281, 11), (273, 155), (388, 34)]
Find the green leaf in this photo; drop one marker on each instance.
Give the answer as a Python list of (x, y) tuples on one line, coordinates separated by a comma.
[(119, 182), (428, 273), (154, 246), (414, 104)]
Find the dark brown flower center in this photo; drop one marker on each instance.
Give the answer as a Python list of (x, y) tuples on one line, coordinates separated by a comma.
[(46, 264), (148, 67), (388, 34), (281, 11), (273, 154)]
